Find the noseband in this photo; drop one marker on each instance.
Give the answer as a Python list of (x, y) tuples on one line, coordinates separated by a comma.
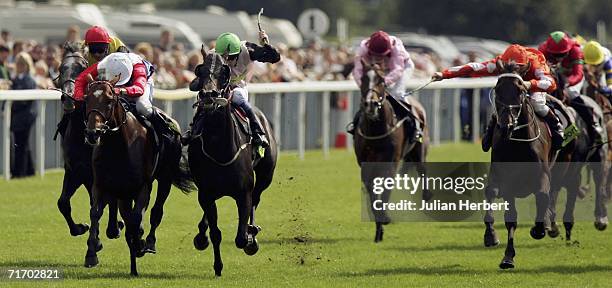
[(513, 107), (105, 126)]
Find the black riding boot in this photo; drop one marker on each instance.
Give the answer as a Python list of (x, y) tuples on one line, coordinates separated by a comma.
[(556, 129), (159, 124), (487, 138), (352, 126), (593, 128), (259, 134)]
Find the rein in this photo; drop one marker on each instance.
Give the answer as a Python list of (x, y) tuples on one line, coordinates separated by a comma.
[(504, 106), (105, 126)]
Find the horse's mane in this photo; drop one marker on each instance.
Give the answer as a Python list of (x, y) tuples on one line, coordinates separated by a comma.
[(72, 47)]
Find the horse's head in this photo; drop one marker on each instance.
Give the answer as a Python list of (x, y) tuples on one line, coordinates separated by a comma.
[(212, 82), (102, 104), (510, 94), (73, 63), (373, 90)]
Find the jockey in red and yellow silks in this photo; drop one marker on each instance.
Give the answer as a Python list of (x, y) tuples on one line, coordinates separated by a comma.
[(565, 52)]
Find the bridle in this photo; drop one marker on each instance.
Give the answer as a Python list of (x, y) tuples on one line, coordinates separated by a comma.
[(515, 107), (105, 126)]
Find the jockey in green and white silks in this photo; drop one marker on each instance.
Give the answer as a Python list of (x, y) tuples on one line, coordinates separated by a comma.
[(239, 55)]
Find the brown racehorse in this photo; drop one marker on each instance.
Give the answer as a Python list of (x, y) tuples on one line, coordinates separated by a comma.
[(382, 137), (568, 171), (592, 90), (124, 166), (519, 136), (76, 153), (220, 158)]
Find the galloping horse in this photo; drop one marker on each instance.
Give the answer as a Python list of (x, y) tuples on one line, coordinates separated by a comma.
[(592, 91), (221, 160), (380, 136), (125, 161), (567, 172), (77, 154), (519, 136)]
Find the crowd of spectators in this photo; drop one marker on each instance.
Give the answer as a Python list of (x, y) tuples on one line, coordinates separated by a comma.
[(27, 64), (175, 63)]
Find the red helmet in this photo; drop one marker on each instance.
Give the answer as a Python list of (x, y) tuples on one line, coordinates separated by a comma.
[(558, 43), (515, 53), (379, 44), (97, 34)]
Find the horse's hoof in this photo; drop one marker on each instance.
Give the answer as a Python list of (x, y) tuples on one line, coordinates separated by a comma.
[(140, 248), (506, 263), (218, 267), (601, 223), (134, 273), (535, 234), (601, 226), (554, 231), (252, 246), (113, 233), (490, 238), (79, 229), (379, 235), (200, 241), (150, 246), (253, 229), (91, 261)]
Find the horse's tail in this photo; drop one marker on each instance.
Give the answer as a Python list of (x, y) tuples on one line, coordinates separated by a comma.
[(182, 178)]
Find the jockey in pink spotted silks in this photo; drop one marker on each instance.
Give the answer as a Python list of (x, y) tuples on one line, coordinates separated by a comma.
[(389, 52)]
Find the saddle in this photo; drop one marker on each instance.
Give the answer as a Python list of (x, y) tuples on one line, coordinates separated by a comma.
[(399, 108), (566, 118)]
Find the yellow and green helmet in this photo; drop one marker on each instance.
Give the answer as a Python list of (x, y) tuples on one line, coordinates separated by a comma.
[(227, 43)]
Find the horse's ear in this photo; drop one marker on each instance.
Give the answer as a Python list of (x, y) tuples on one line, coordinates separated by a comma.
[(203, 51), (500, 65), (115, 79), (525, 68), (89, 78)]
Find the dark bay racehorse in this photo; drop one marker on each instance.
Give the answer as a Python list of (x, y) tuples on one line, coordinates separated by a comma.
[(221, 160), (381, 136), (592, 91), (76, 153), (519, 137), (125, 163), (568, 171)]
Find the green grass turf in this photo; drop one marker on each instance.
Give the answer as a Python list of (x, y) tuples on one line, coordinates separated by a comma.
[(316, 201)]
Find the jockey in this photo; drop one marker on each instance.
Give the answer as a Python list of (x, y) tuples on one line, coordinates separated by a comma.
[(559, 49), (537, 80), (599, 58), (135, 83), (100, 44), (238, 55), (389, 51)]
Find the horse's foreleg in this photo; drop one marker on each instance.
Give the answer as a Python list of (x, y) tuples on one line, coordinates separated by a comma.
[(510, 217), (200, 241), (422, 169), (244, 205), (600, 173), (93, 242), (69, 187), (552, 208), (538, 231), (215, 235), (157, 212), (113, 229), (490, 237), (125, 208)]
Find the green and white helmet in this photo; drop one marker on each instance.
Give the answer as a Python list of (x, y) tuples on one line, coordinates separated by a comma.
[(227, 43)]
